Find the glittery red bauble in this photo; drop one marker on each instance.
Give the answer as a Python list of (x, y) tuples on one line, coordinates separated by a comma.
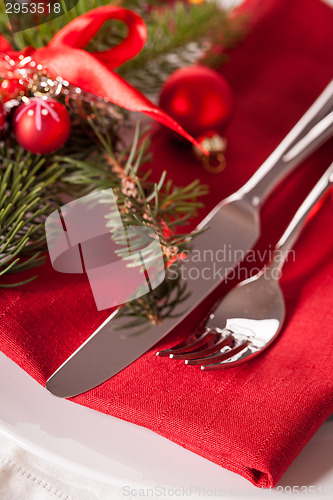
[(41, 125), (11, 88), (2, 117), (198, 98)]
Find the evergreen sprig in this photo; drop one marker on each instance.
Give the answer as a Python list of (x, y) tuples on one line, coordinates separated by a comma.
[(39, 36), (160, 205), (31, 187), (27, 195), (178, 34)]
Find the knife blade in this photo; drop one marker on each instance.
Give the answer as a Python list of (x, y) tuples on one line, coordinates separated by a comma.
[(231, 230)]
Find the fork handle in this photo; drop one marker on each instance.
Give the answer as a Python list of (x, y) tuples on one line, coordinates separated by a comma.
[(312, 130), (295, 227)]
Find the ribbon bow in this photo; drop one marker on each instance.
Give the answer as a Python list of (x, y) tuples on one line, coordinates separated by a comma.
[(65, 56)]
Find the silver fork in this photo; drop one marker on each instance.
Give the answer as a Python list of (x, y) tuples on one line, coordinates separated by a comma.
[(251, 315)]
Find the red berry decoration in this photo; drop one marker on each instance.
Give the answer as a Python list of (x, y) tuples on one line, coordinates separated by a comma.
[(2, 117), (41, 125), (198, 98)]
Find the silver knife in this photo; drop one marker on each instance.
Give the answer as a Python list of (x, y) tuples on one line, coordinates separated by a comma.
[(233, 224)]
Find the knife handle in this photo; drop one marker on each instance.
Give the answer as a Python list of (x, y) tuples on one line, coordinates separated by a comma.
[(312, 130)]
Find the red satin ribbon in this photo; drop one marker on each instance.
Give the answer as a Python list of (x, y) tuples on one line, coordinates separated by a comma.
[(65, 56)]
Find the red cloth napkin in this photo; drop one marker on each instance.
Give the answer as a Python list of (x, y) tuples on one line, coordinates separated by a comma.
[(253, 419)]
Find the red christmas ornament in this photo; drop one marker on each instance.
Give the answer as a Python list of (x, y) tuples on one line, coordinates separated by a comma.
[(10, 88), (41, 125), (198, 98), (2, 117)]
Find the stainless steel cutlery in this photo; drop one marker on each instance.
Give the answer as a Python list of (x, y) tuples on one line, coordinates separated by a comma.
[(234, 222), (251, 315)]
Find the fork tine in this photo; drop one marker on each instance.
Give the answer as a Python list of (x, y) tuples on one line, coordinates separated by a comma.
[(189, 343), (206, 349), (216, 358), (246, 353)]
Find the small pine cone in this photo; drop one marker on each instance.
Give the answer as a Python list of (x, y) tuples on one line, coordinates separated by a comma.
[(128, 188), (171, 252)]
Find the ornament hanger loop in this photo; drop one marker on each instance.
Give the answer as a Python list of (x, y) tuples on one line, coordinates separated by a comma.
[(215, 163)]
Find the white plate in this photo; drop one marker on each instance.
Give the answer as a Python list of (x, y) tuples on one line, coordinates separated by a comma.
[(113, 451)]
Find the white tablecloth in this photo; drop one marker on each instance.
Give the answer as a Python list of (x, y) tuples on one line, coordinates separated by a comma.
[(24, 476)]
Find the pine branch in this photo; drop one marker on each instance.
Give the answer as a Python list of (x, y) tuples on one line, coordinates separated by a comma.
[(141, 202), (27, 195), (158, 204), (31, 188), (39, 36), (178, 35)]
